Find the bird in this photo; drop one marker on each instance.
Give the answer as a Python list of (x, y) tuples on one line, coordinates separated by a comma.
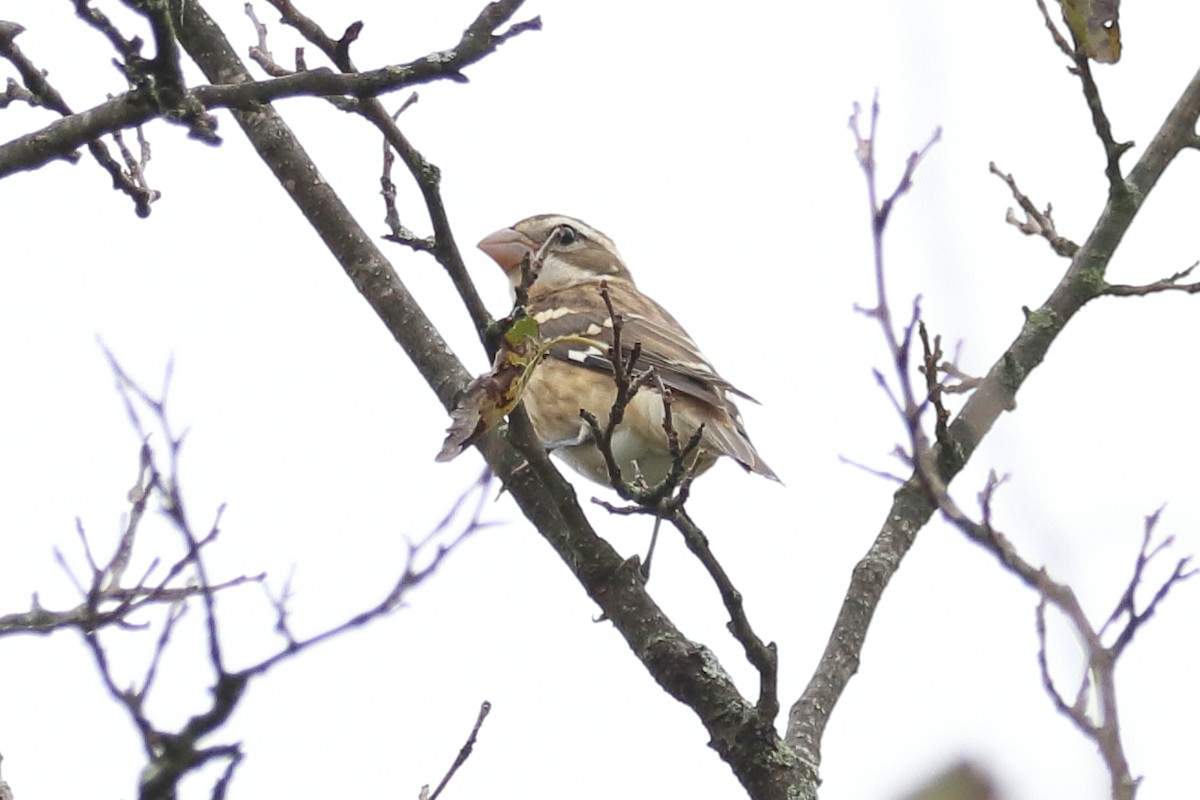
[(565, 300)]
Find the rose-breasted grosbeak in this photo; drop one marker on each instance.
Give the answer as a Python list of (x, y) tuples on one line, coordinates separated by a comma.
[(565, 301)]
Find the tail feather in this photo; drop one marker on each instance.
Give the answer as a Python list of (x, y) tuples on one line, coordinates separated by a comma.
[(730, 439)]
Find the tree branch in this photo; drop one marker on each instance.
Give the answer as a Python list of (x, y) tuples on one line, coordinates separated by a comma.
[(1081, 67), (137, 107), (463, 754), (1037, 223), (995, 393), (173, 754), (39, 87), (687, 670), (1170, 283)]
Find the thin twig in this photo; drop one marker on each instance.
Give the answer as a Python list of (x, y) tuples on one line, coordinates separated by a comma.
[(1081, 68), (465, 751), (1037, 223), (428, 177), (1169, 284)]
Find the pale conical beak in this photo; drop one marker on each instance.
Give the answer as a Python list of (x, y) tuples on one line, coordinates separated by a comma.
[(507, 247)]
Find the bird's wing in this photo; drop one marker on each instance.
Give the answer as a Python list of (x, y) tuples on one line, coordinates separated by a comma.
[(665, 345)]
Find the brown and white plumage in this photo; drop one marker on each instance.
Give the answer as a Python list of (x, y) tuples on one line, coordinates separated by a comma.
[(565, 300)]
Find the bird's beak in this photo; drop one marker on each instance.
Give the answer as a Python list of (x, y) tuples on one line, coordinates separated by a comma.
[(507, 248)]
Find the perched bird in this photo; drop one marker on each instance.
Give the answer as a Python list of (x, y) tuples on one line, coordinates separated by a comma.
[(565, 301)]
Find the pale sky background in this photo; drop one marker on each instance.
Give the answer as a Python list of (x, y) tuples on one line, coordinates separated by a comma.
[(711, 144)]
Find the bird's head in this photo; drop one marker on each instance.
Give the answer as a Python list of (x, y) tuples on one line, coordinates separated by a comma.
[(573, 253)]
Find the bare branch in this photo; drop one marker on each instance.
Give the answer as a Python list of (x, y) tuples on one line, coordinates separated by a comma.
[(136, 107), (1081, 67), (464, 752), (810, 714), (763, 657), (1059, 40), (1168, 284), (685, 669), (1037, 223), (994, 394), (260, 53), (1127, 606), (39, 86), (931, 473), (95, 18), (173, 754), (15, 92), (428, 177)]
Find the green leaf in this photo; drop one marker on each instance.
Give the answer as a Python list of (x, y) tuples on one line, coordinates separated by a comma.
[(524, 328)]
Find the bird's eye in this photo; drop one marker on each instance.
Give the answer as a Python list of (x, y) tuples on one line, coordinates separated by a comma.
[(567, 234)]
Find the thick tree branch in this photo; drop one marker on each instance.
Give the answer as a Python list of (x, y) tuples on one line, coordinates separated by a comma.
[(686, 670)]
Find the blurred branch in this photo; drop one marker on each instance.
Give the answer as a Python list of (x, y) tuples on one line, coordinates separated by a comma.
[(6, 792), (173, 754), (109, 601), (931, 475), (419, 566), (898, 341), (934, 466), (1097, 689), (463, 754), (1127, 607), (810, 714)]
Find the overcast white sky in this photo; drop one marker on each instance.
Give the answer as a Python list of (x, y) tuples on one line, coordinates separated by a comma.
[(712, 146)]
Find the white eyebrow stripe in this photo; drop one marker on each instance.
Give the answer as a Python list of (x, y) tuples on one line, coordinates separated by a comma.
[(558, 220)]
